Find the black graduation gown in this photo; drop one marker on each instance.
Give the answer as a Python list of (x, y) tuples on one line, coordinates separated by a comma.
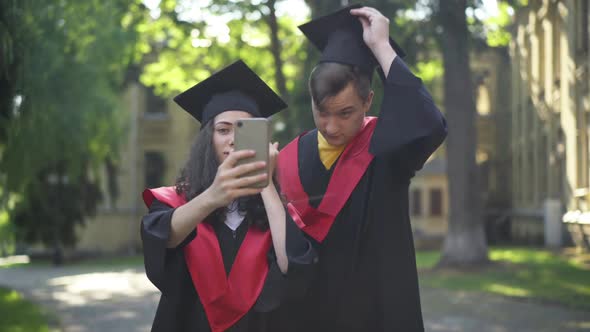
[(367, 278), (180, 308)]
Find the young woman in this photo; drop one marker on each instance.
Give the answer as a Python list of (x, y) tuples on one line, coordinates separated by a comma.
[(224, 255)]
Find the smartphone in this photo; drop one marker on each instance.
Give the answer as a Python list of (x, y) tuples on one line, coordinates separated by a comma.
[(253, 134)]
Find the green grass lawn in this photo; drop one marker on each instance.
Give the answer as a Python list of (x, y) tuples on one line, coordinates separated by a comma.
[(107, 262), (95, 262), (19, 315), (520, 272)]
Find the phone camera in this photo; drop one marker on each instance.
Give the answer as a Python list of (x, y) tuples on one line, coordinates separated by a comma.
[(239, 123)]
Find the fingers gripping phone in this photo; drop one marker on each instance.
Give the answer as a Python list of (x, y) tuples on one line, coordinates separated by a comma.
[(253, 134)]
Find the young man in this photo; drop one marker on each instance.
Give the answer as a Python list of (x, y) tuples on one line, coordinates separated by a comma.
[(346, 182)]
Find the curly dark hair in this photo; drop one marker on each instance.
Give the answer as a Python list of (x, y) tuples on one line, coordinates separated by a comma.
[(199, 172)]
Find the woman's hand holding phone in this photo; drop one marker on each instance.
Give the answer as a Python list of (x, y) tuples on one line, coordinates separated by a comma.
[(231, 181)]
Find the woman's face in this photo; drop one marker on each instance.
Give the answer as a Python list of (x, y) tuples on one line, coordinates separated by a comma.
[(223, 132)]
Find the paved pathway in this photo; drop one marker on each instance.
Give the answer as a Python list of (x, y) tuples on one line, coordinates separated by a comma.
[(88, 300), (446, 311)]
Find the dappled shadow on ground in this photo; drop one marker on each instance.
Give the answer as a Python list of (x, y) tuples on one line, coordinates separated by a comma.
[(91, 298), (459, 311), (87, 299), (545, 276)]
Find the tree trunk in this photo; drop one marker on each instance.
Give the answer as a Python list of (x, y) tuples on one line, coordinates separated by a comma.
[(465, 243), (300, 116), (275, 48)]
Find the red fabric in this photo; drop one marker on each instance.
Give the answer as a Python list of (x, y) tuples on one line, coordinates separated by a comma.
[(347, 173), (225, 299)]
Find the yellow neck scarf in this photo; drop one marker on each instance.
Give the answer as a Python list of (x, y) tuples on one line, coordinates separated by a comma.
[(328, 153)]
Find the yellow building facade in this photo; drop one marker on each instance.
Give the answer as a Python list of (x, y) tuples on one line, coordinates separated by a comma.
[(550, 115), (157, 141)]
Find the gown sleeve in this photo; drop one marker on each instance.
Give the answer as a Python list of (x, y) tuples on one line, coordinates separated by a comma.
[(155, 231), (303, 259), (410, 127)]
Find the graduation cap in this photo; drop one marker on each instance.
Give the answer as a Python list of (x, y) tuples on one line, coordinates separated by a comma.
[(339, 36), (235, 87)]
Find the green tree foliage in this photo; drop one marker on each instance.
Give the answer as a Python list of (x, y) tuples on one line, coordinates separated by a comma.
[(53, 206), (62, 69), (189, 41), (188, 47)]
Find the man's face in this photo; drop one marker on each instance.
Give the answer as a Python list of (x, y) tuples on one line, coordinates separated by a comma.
[(340, 117)]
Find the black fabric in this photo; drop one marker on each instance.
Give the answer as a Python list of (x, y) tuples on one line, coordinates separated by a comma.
[(198, 100), (339, 36), (231, 100), (180, 309), (366, 278), (316, 182), (229, 242)]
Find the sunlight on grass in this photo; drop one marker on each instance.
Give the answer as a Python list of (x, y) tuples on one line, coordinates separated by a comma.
[(528, 256), (19, 315), (427, 259), (13, 261), (11, 296), (507, 290), (579, 325), (121, 261), (94, 262), (579, 289), (521, 272)]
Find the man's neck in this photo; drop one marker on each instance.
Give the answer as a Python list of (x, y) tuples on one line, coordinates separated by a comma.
[(328, 153)]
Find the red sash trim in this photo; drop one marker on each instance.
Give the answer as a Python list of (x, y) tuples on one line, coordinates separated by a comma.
[(225, 299), (348, 171)]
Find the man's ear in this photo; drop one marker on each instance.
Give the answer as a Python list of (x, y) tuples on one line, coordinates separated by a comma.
[(369, 101)]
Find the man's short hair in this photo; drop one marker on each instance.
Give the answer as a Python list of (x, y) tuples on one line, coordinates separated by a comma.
[(328, 79)]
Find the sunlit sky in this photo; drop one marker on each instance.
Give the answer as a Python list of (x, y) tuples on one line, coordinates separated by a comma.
[(195, 10)]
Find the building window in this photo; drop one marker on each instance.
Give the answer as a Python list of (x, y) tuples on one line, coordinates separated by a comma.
[(582, 26), (154, 105), (154, 169), (483, 102), (416, 202), (436, 202)]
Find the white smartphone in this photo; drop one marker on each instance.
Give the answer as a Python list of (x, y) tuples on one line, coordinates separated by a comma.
[(253, 134)]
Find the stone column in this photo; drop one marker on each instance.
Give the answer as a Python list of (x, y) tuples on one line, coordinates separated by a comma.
[(553, 225), (568, 98)]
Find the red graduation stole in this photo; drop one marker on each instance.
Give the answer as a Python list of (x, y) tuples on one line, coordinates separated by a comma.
[(225, 299), (347, 173)]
